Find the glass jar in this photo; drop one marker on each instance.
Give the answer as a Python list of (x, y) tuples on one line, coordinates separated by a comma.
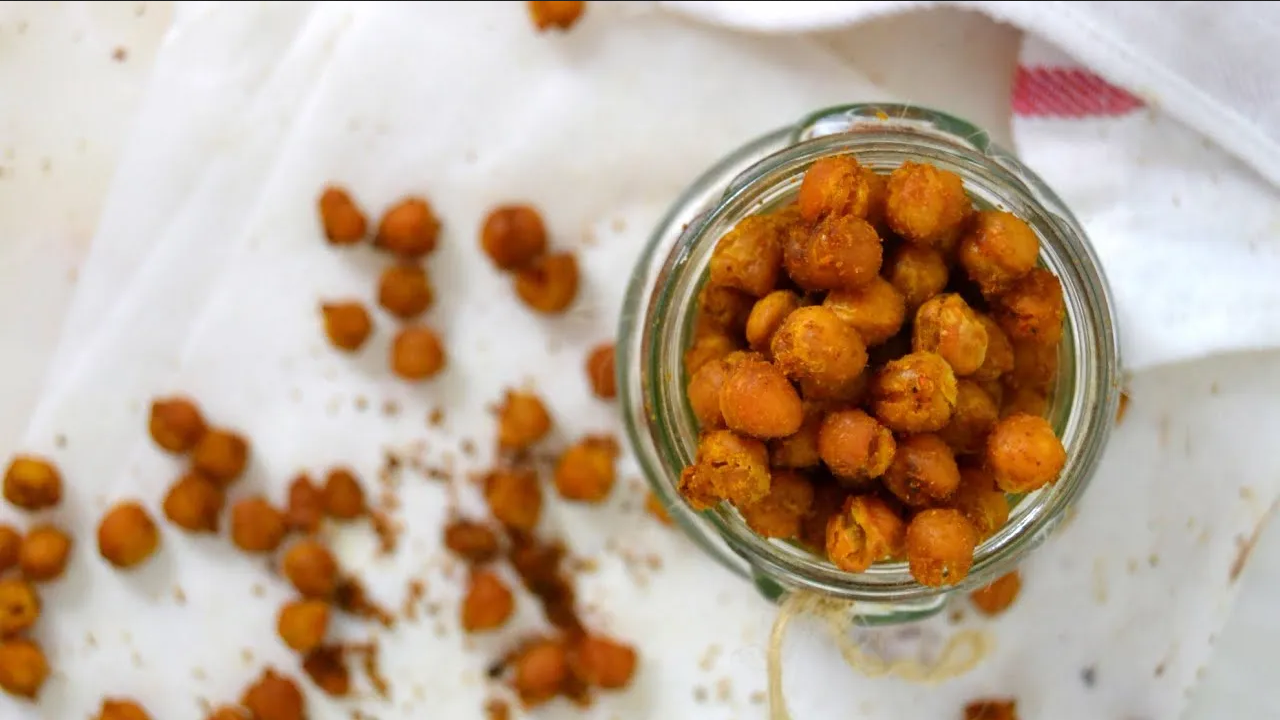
[(657, 325)]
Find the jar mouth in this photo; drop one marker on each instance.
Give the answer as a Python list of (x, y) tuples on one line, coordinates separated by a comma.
[(657, 325)]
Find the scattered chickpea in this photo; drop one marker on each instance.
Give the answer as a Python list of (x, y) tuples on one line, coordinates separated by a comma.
[(274, 696), (514, 498), (866, 530), (1024, 453), (757, 400), (23, 668), (946, 325), (876, 310), (470, 540), (44, 553), (194, 503), (1032, 308), (975, 414), (311, 568), (256, 525), (585, 471), (175, 424), (10, 547), (405, 291), (999, 595), (343, 495), (346, 323), (601, 373), (32, 483), (343, 221), (749, 257), (915, 393), (302, 624), (815, 345), (513, 236), (127, 536), (998, 249), (19, 606), (221, 456), (991, 710), (555, 14), (327, 668), (854, 446), (980, 501), (304, 508), (923, 471), (409, 228), (940, 545), (926, 205), (767, 315), (839, 185), (842, 252), (227, 712), (603, 662), (917, 273), (487, 604), (417, 353), (780, 513), (522, 420), (549, 283), (121, 709), (541, 671)]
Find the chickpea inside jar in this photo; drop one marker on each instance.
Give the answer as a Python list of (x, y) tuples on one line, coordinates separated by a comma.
[(829, 350)]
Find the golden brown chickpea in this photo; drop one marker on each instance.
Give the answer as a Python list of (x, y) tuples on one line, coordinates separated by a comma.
[(10, 547), (994, 390), (749, 257), (1035, 365), (470, 540), (311, 568), (603, 662), (417, 353), (555, 14), (221, 456), (799, 451), (854, 446), (704, 392), (585, 471), (32, 483), (488, 603), (838, 185), (695, 486), (274, 697), (999, 595), (779, 513), (302, 624), (408, 229), (998, 249), (405, 291), (512, 236), (1024, 454), (304, 508), (706, 348), (991, 710), (767, 316), (975, 414), (549, 283), (23, 668), (724, 310), (227, 712), (757, 400), (876, 310), (44, 553), (1025, 400), (915, 393), (940, 544), (341, 218), (980, 501), (947, 326), (127, 536), (522, 420), (256, 525), (346, 323), (601, 373), (542, 671), (194, 503), (999, 357), (918, 273), (514, 498), (343, 495), (120, 709), (842, 252), (864, 532), (175, 424), (19, 606), (736, 466), (923, 472), (925, 205), (1032, 308), (816, 347)]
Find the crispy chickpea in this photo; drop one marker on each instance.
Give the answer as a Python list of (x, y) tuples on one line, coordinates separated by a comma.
[(946, 325), (767, 316), (749, 257), (998, 249), (704, 392), (980, 501), (514, 498), (925, 205), (1025, 400), (44, 553), (854, 446), (842, 252), (864, 532), (999, 595), (549, 283), (918, 273), (327, 668), (838, 185), (923, 472), (555, 14), (175, 424), (757, 400), (19, 606), (915, 393), (737, 467), (343, 495), (603, 662), (991, 710), (304, 508), (194, 503), (876, 310), (816, 347), (706, 348), (799, 451), (1032, 308), (779, 513), (409, 228), (274, 696), (256, 525), (601, 373), (405, 291), (585, 471), (127, 536), (723, 309), (470, 540), (695, 486), (311, 568), (940, 544), (221, 456), (346, 323), (23, 668), (302, 624), (417, 353), (999, 357), (542, 671), (522, 420), (1024, 454), (10, 547), (1035, 365), (32, 483), (513, 235), (487, 604), (975, 414), (121, 709), (343, 221)]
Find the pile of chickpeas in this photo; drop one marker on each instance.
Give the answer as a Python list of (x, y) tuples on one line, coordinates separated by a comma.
[(871, 366)]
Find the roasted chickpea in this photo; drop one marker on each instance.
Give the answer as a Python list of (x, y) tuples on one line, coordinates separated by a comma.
[(256, 525), (514, 498), (221, 456), (470, 540), (549, 283), (749, 257), (980, 501), (408, 228), (44, 553), (999, 357), (799, 451), (767, 316), (876, 310), (1032, 308), (925, 205), (854, 446), (724, 310), (601, 373), (917, 272), (302, 624), (915, 393), (10, 547), (342, 495), (947, 326), (975, 414), (522, 420), (603, 662), (542, 671), (1024, 453), (991, 710), (311, 568), (327, 668), (940, 544), (780, 512), (923, 472), (343, 221), (706, 348), (864, 532), (346, 323), (487, 604), (1035, 365), (1025, 400), (23, 668), (757, 400), (994, 390), (175, 424), (555, 14), (417, 353), (127, 536), (513, 235), (697, 488), (842, 252), (120, 709), (997, 250), (737, 467), (585, 471), (304, 508), (818, 348), (227, 712), (405, 291), (274, 697), (19, 606), (999, 595), (838, 185), (32, 483), (703, 392), (194, 503)]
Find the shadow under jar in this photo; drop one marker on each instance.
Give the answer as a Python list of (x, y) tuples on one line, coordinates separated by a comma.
[(657, 325)]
